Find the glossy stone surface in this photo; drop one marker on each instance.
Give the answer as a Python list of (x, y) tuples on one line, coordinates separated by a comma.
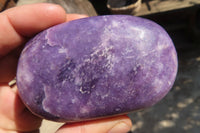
[(96, 67)]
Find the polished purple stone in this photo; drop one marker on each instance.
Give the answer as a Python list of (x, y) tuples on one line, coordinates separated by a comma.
[(96, 67)]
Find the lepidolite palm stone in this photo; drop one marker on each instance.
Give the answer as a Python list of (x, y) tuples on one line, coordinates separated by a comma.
[(96, 67)]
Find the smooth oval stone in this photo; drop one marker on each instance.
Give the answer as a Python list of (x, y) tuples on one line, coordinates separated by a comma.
[(96, 67)]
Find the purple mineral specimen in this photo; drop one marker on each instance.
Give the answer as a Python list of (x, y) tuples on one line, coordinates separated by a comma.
[(96, 67)]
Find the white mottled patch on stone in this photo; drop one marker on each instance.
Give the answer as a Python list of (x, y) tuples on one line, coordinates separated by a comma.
[(140, 47), (106, 52), (136, 67), (115, 59), (115, 24), (169, 83), (104, 96), (119, 84), (104, 42), (105, 18), (118, 109), (50, 42), (161, 47), (140, 32), (74, 100), (102, 50), (45, 100), (157, 83), (25, 74), (130, 57), (63, 50), (109, 33), (78, 81), (147, 54), (128, 51), (35, 48), (52, 66), (159, 66), (82, 91), (84, 110)]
